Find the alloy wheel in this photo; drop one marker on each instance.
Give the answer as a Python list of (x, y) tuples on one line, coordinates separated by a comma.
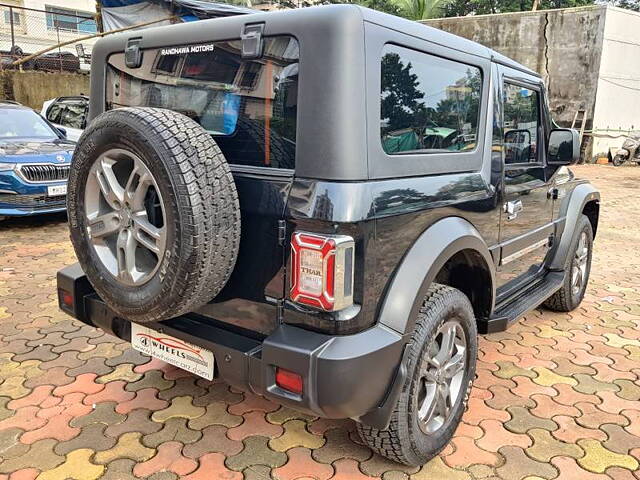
[(579, 265), (441, 376), (125, 216)]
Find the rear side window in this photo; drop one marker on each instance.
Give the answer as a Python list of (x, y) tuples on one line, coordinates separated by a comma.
[(428, 104), (248, 106)]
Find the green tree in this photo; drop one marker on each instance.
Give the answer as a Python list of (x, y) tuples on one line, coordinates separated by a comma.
[(386, 6), (421, 9), (460, 8), (628, 4), (401, 100)]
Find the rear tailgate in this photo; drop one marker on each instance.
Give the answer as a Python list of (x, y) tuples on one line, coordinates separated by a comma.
[(250, 108), (249, 299)]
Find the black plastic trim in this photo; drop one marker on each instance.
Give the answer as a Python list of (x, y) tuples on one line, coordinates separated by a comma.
[(336, 369)]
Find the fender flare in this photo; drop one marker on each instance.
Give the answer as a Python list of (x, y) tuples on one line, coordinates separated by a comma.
[(571, 211), (419, 267)]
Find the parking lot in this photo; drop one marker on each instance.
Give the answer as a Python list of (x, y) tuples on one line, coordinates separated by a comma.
[(556, 395)]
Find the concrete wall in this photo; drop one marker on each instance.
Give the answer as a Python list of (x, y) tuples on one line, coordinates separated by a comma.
[(617, 107), (33, 88), (564, 46)]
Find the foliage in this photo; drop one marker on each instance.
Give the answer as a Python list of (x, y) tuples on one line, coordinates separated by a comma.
[(425, 9), (403, 106), (421, 9), (401, 100), (459, 8), (628, 4), (386, 6)]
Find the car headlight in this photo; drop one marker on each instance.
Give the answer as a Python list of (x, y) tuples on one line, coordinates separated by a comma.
[(7, 166)]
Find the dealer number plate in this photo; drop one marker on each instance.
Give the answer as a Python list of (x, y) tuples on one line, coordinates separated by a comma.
[(56, 190), (172, 350)]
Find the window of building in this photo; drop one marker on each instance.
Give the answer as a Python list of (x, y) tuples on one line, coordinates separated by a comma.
[(12, 13), (428, 104), (68, 20), (521, 124)]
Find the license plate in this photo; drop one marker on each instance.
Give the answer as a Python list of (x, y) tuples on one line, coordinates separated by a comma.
[(172, 350), (57, 190)]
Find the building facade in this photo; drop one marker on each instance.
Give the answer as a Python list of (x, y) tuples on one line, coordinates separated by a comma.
[(33, 25)]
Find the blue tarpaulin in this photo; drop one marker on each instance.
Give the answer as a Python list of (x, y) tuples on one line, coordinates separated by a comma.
[(126, 13)]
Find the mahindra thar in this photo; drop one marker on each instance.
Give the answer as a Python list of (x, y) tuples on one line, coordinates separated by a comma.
[(324, 206)]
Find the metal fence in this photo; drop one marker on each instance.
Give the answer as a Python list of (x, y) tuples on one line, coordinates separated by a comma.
[(25, 31)]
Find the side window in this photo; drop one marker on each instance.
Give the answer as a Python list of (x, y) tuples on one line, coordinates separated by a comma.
[(73, 115), (521, 124), (428, 104), (54, 111)]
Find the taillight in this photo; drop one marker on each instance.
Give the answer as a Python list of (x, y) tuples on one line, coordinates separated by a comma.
[(322, 270), (65, 298), (289, 381)]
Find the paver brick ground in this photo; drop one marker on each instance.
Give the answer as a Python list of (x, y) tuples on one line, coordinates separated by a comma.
[(557, 395)]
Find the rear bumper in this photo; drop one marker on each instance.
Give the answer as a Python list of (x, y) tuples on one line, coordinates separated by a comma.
[(350, 376)]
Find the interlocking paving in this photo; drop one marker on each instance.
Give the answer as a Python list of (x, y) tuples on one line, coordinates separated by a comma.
[(557, 395)]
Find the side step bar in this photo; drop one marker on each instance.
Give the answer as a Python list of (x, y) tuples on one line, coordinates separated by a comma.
[(526, 301)]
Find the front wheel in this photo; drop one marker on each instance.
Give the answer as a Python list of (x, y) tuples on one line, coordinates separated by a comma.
[(440, 370), (577, 268), (618, 160)]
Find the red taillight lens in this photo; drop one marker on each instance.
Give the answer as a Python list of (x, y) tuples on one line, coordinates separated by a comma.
[(289, 381), (66, 299), (322, 270)]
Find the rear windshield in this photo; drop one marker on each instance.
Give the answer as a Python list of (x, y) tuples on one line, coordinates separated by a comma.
[(248, 106)]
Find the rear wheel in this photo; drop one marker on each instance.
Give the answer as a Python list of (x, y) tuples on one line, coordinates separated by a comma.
[(618, 160), (441, 367)]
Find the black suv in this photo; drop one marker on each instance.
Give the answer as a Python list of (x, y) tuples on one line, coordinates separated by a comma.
[(324, 206)]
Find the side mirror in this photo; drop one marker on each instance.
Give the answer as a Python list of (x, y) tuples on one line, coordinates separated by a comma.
[(63, 131), (564, 147)]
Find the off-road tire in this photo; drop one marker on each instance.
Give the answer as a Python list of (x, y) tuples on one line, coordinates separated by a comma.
[(403, 441), (618, 160), (200, 203), (564, 300)]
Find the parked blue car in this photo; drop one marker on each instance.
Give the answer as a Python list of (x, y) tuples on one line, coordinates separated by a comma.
[(35, 158)]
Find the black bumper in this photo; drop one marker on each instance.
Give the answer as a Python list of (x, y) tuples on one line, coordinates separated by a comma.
[(351, 376)]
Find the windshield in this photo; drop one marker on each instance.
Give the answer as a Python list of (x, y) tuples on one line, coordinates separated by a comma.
[(19, 123)]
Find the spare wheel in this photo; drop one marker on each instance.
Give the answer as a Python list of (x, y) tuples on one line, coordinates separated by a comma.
[(153, 213)]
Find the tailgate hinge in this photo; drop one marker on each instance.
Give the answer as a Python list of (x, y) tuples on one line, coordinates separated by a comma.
[(282, 232), (132, 53), (252, 42)]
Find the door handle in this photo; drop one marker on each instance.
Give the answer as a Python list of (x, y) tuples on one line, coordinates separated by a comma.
[(513, 208)]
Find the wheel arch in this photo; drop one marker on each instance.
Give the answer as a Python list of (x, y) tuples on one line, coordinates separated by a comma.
[(584, 199), (449, 246), (592, 211)]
